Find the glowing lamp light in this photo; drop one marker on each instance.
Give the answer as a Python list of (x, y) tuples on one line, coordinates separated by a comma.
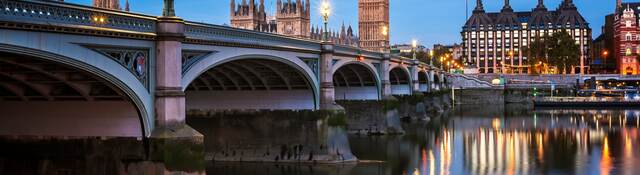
[(325, 10), (496, 81), (414, 43), (360, 58)]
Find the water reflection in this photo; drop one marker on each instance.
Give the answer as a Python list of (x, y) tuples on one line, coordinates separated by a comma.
[(80, 156), (466, 140), (511, 141)]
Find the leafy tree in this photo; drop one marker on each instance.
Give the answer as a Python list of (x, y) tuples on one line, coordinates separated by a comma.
[(563, 51), (537, 53)]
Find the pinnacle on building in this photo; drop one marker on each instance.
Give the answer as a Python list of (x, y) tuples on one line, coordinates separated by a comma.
[(110, 4)]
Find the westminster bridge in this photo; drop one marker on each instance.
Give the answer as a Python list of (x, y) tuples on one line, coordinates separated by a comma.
[(75, 70)]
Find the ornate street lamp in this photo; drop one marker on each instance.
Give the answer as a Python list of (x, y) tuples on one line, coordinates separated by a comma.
[(325, 10), (168, 8), (385, 34), (414, 45), (431, 58), (605, 53)]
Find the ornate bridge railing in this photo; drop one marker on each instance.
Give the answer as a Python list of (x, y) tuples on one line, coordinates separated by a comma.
[(48, 13), (221, 35), (51, 16)]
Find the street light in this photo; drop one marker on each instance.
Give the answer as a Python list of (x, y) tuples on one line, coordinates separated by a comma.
[(431, 58), (605, 53), (414, 45), (325, 10), (385, 33)]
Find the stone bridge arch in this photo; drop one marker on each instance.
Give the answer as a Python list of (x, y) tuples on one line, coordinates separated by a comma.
[(437, 82), (53, 91), (400, 79), (250, 81), (423, 81), (356, 80)]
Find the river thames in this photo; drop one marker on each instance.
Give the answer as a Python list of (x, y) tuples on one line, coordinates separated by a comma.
[(464, 140)]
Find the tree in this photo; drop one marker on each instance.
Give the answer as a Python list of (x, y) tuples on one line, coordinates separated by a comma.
[(440, 52), (563, 50), (537, 53)]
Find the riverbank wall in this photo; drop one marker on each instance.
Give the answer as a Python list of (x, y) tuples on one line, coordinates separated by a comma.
[(273, 136)]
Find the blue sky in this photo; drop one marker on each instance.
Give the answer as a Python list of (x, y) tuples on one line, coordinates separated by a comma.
[(428, 21)]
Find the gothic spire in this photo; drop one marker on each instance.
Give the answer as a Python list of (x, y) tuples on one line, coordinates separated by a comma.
[(479, 7), (618, 4), (507, 7), (540, 4), (126, 5)]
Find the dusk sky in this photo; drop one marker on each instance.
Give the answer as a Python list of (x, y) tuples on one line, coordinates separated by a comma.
[(428, 21)]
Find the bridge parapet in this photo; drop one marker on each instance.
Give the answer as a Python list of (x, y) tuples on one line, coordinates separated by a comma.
[(354, 51), (201, 33), (68, 15)]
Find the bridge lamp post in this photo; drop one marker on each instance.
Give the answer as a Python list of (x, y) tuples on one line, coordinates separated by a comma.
[(605, 53), (385, 34), (325, 10), (431, 58), (414, 45)]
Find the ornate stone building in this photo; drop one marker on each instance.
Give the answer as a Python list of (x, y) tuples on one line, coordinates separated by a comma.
[(626, 34), (110, 4), (344, 37), (291, 19), (373, 20), (493, 42)]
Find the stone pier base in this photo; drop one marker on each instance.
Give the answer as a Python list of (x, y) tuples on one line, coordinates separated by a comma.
[(373, 117), (273, 136), (178, 147)]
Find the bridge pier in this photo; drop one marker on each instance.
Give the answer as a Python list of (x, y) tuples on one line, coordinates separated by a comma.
[(327, 90), (384, 76), (170, 128), (415, 83)]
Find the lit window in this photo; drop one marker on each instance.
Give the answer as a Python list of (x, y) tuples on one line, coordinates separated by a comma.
[(628, 52), (628, 23)]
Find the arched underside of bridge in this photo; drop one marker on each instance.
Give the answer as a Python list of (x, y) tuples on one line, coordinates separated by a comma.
[(423, 81), (400, 81), (40, 97), (436, 82), (251, 83), (355, 82)]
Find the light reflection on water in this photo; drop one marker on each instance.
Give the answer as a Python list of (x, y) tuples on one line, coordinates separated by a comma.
[(502, 140), (548, 141), (466, 140)]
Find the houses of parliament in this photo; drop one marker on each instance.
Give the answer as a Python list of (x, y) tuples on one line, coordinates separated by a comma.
[(294, 19)]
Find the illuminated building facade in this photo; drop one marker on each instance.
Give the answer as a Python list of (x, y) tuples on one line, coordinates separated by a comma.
[(493, 42), (627, 37)]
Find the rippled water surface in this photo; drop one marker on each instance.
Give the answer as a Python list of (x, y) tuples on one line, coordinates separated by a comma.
[(465, 140)]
